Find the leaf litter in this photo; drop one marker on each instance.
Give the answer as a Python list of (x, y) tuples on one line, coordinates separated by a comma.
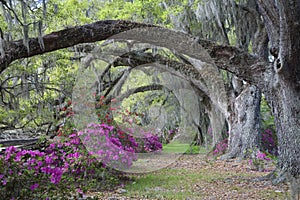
[(202, 178)]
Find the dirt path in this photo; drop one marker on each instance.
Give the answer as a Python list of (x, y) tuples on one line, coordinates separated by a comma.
[(199, 178)]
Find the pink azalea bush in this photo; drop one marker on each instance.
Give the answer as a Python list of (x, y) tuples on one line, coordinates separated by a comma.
[(102, 142), (220, 147), (62, 167), (45, 173), (260, 161), (75, 162), (146, 141), (66, 165)]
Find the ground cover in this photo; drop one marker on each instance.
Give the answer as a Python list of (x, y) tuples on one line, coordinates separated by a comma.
[(198, 177)]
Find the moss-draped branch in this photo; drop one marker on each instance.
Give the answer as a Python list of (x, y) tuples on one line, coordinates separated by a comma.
[(226, 57)]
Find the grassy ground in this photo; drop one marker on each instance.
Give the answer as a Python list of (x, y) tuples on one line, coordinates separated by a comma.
[(211, 180), (203, 184), (182, 148), (195, 176)]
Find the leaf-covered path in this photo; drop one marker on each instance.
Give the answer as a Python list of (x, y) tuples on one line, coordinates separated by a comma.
[(197, 177)]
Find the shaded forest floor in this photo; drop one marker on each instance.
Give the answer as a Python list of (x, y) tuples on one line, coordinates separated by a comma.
[(198, 177)]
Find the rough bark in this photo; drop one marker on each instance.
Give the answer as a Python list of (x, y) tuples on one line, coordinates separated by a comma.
[(244, 123), (286, 109), (283, 86)]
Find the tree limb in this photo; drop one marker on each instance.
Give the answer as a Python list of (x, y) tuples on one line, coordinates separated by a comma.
[(225, 57), (270, 14), (140, 89), (88, 33)]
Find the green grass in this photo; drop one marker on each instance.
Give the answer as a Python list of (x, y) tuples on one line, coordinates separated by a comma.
[(180, 184), (175, 147), (172, 183), (164, 184)]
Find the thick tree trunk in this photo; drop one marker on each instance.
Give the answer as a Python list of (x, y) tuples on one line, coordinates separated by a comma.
[(283, 91), (286, 110), (244, 123)]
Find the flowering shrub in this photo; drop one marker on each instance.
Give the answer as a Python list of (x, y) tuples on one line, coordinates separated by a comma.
[(269, 142), (259, 161), (149, 143), (73, 163), (61, 168), (221, 147), (104, 144), (152, 143), (145, 142)]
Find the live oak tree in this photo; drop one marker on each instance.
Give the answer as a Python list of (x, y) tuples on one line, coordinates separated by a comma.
[(278, 80), (236, 24)]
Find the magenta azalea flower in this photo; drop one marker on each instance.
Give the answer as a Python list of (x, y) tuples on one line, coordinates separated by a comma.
[(34, 186)]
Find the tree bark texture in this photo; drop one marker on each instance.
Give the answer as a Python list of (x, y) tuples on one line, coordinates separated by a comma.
[(243, 123), (283, 86)]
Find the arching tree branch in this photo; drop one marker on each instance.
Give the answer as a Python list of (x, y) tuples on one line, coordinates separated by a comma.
[(88, 33), (140, 89), (226, 57)]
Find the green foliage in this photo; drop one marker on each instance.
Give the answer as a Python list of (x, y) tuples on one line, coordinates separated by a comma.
[(267, 118), (70, 13), (55, 70), (30, 87), (149, 11)]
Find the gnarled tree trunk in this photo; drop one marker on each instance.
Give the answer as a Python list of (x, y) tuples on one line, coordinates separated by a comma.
[(282, 21), (286, 110), (244, 123)]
